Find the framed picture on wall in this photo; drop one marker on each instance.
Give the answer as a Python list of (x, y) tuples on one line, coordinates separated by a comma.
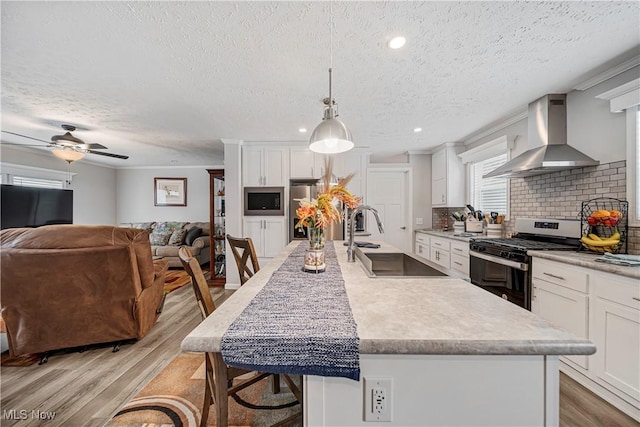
[(170, 191)]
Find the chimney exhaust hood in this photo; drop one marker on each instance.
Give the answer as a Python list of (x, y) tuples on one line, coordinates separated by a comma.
[(547, 134)]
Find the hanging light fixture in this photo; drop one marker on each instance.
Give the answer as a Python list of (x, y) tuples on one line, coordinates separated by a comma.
[(69, 155), (331, 136)]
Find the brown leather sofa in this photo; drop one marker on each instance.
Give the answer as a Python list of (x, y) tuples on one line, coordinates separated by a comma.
[(66, 286)]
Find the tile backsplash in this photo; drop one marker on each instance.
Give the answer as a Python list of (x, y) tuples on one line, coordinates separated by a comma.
[(559, 195)]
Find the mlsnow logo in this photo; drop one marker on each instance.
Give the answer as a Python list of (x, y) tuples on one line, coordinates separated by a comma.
[(23, 414)]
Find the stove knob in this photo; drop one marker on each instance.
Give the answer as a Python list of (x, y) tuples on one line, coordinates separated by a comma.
[(504, 254)]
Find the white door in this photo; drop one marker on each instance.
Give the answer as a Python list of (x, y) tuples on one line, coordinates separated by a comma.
[(388, 192), (254, 228), (275, 234)]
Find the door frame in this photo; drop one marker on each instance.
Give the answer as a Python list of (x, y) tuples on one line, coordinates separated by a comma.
[(408, 169)]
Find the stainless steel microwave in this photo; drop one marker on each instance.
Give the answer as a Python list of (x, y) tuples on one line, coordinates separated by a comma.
[(264, 201)]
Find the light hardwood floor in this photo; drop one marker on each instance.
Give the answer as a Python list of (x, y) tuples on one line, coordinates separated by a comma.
[(87, 389)]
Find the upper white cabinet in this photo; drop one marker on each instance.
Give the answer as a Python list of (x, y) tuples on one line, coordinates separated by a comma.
[(264, 166), (304, 163), (356, 162), (447, 177)]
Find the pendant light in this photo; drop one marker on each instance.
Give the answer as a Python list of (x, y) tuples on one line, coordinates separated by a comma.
[(331, 136)]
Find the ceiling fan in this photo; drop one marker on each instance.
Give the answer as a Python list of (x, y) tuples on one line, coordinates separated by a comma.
[(68, 147)]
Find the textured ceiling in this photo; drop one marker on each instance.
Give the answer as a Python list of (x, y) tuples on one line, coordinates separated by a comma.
[(163, 82)]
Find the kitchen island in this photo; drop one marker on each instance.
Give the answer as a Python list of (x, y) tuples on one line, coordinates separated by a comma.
[(455, 354)]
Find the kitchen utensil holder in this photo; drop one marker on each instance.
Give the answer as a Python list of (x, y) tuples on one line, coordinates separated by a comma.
[(494, 230), (458, 226), (604, 231), (473, 226)]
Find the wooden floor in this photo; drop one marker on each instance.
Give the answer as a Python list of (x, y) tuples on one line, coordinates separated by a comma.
[(87, 389)]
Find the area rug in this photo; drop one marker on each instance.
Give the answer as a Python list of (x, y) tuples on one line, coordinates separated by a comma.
[(175, 279), (174, 398)]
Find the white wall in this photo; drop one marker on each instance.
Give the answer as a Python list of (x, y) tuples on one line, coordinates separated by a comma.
[(134, 192), (94, 187), (592, 127)]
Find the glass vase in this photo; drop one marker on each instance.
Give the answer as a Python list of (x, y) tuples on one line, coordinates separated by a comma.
[(316, 238)]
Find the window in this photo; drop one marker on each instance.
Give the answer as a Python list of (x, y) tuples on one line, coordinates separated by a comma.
[(26, 181), (488, 194)]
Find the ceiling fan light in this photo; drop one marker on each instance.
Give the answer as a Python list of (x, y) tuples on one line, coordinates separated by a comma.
[(68, 155), (331, 136), (66, 137)]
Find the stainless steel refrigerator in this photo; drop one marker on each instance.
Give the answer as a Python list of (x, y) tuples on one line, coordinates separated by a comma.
[(307, 188)]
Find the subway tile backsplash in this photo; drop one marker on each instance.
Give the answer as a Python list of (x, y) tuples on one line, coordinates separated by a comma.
[(559, 195)]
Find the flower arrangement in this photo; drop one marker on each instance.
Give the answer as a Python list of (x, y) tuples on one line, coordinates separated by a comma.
[(321, 212)]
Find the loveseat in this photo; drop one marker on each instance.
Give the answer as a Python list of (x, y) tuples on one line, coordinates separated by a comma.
[(69, 285), (166, 237)]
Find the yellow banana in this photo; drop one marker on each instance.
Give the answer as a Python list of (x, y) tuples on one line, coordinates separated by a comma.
[(615, 236), (594, 237), (600, 243)]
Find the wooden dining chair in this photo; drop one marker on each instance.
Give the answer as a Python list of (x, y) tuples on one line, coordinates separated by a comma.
[(221, 380), (243, 252)]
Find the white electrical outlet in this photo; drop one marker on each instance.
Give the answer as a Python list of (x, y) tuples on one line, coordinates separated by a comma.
[(419, 221), (377, 399)]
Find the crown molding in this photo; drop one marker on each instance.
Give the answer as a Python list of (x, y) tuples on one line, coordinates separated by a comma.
[(610, 73), (475, 137)]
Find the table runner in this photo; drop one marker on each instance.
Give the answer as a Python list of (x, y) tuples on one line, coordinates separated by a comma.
[(299, 323)]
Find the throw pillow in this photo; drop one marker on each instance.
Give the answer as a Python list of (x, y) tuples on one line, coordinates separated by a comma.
[(169, 226), (159, 239), (177, 237), (192, 235), (144, 225)]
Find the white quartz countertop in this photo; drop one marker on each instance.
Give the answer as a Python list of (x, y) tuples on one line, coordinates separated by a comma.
[(412, 316), (448, 234), (588, 260)]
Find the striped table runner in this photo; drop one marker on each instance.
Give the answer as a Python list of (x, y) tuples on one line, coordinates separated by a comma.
[(299, 323)]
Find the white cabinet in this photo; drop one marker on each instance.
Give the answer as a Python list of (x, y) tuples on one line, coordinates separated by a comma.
[(304, 163), (447, 177), (560, 297), (268, 234), (264, 166), (440, 251), (616, 334), (603, 308), (423, 246), (460, 257)]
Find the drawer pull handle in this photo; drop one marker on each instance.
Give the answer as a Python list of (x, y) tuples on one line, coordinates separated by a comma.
[(554, 276), (457, 263), (636, 298)]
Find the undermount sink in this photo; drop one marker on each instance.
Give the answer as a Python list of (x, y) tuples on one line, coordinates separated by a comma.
[(395, 264)]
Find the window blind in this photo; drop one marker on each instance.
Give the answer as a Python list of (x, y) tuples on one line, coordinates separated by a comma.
[(489, 194), (27, 181)]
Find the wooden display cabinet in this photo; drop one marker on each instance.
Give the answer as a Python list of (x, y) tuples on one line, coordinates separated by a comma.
[(217, 264)]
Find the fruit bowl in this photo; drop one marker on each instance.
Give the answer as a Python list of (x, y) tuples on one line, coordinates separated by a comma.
[(602, 249)]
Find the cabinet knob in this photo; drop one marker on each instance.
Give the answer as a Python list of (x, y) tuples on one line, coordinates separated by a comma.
[(403, 228)]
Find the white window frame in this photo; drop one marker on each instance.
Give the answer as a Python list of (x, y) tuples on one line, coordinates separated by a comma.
[(626, 98), (9, 170), (486, 151)]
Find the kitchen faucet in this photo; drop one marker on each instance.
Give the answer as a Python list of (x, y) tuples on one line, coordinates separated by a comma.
[(351, 255)]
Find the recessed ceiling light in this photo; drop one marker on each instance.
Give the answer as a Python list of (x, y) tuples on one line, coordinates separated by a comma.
[(302, 130), (416, 130), (397, 42)]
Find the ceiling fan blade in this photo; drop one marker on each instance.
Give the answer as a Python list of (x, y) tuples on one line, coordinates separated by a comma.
[(96, 147), (13, 144), (102, 153), (25, 136)]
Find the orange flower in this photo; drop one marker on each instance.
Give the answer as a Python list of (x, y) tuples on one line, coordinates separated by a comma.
[(322, 212)]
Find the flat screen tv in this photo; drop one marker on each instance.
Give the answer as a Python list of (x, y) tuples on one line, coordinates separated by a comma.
[(33, 207)]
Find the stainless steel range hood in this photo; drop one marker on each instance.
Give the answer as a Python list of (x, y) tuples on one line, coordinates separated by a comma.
[(547, 134)]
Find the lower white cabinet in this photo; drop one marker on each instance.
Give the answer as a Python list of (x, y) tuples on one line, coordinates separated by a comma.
[(268, 234), (440, 251), (601, 307), (423, 246), (615, 316), (460, 257)]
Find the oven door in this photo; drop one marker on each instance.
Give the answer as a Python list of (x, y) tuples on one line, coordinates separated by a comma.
[(508, 279)]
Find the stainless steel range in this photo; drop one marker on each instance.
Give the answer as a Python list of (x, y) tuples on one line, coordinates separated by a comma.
[(502, 266)]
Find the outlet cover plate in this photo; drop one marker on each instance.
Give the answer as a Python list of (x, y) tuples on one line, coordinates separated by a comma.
[(378, 392)]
